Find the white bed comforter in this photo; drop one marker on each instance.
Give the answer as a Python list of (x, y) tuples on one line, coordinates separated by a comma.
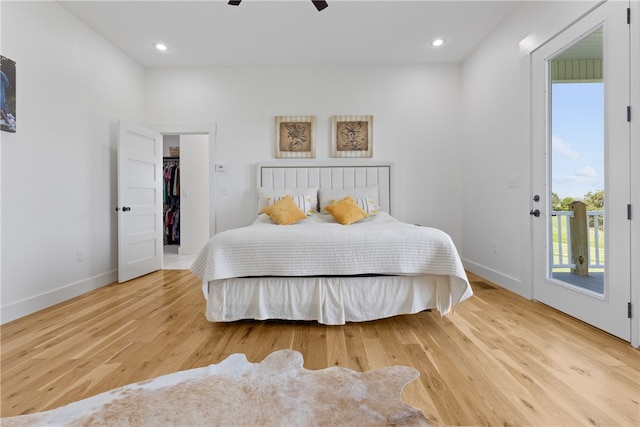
[(319, 246)]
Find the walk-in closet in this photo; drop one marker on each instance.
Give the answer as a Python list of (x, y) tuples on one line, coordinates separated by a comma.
[(171, 194), (171, 201), (186, 207)]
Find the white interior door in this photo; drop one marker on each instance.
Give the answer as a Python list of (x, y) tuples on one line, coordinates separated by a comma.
[(139, 201), (565, 127)]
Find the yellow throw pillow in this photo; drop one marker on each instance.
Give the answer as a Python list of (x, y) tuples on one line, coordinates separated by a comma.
[(284, 211), (346, 211)]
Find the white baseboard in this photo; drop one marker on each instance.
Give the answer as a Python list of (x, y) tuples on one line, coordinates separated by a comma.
[(30, 305), (511, 283)]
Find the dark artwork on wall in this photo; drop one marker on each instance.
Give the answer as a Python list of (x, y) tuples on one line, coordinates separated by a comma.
[(352, 136), (295, 136), (7, 94)]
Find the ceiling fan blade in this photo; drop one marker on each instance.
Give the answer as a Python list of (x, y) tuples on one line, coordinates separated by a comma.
[(320, 5)]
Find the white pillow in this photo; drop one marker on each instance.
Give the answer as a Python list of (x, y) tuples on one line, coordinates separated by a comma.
[(305, 197), (328, 196), (367, 205)]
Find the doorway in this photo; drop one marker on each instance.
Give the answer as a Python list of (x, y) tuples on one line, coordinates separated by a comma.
[(193, 153), (580, 171), (186, 198)]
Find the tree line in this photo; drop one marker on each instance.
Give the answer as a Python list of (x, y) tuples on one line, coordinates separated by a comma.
[(593, 199)]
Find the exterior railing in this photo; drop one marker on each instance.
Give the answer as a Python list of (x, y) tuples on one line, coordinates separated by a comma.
[(561, 257)]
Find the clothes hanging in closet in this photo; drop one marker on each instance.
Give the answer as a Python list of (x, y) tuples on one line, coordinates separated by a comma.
[(172, 226), (171, 197), (171, 182)]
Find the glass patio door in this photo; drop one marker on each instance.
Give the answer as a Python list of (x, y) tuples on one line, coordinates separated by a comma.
[(580, 164)]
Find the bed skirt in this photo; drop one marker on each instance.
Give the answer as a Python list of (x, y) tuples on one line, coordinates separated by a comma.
[(328, 300)]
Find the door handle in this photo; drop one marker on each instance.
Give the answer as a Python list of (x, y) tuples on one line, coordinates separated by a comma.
[(535, 213), (124, 209)]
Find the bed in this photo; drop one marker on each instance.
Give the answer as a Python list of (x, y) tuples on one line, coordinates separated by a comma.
[(317, 269)]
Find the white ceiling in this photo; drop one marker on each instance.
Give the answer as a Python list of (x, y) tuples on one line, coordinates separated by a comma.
[(291, 32)]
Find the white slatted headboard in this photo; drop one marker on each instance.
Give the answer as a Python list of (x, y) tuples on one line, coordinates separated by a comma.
[(328, 175)]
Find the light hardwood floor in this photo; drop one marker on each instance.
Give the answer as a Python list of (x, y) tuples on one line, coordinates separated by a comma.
[(498, 360)]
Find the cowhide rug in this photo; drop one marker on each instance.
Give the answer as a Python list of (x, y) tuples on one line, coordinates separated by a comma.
[(276, 391)]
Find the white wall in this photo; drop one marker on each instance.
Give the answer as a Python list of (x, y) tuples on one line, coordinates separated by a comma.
[(495, 148), (194, 193), (58, 170), (417, 125)]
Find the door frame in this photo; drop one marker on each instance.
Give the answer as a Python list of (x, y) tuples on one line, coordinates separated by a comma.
[(210, 129), (635, 171), (527, 47)]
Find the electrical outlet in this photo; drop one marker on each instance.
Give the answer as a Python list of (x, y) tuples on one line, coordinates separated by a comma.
[(494, 247), (80, 255)]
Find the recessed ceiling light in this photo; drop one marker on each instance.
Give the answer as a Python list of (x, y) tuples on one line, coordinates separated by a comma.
[(437, 43), (161, 47)]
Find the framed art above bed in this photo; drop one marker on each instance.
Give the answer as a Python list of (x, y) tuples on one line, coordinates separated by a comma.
[(352, 136), (295, 136)]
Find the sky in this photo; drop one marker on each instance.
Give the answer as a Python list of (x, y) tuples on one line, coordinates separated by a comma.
[(577, 132)]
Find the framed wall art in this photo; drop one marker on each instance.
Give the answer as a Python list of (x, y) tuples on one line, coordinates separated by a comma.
[(295, 136), (352, 136), (7, 94)]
